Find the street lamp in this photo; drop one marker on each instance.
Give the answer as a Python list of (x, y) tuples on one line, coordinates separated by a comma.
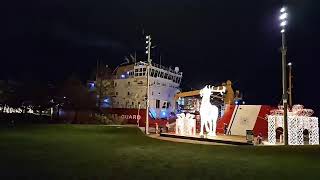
[(290, 84), (283, 23)]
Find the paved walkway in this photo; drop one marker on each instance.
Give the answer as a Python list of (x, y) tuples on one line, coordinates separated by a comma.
[(157, 136)]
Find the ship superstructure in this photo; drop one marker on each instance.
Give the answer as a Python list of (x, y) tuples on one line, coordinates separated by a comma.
[(130, 88)]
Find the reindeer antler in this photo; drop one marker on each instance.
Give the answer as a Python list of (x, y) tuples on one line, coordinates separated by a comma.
[(221, 91)]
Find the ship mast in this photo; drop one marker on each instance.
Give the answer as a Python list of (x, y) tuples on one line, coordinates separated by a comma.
[(148, 52)]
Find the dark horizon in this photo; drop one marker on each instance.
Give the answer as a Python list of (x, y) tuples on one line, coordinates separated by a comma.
[(210, 41)]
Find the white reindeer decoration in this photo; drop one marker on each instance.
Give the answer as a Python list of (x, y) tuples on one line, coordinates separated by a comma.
[(208, 112)]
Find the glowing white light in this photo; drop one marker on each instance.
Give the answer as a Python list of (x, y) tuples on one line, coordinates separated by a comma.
[(282, 30), (290, 64), (298, 120), (283, 16), (147, 37), (147, 42), (283, 9), (283, 23), (186, 125), (147, 52), (208, 112)]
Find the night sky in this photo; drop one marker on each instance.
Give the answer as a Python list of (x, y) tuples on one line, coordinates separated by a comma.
[(210, 40)]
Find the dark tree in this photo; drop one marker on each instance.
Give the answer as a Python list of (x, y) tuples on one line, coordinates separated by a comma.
[(76, 96)]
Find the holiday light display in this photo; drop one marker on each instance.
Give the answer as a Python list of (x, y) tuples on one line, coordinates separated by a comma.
[(186, 125), (208, 112), (299, 120)]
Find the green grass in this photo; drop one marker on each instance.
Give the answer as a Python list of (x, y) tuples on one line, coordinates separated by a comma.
[(101, 152)]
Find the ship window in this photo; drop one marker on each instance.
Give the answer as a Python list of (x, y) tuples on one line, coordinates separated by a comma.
[(164, 105), (161, 74), (144, 69), (115, 84), (168, 105), (128, 83), (140, 69), (136, 70), (128, 93), (166, 76), (157, 103), (116, 93), (156, 73), (132, 103), (152, 73)]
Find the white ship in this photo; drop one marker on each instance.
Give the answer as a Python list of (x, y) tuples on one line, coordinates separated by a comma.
[(124, 90), (130, 88)]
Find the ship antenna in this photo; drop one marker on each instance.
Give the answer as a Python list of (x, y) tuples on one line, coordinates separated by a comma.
[(135, 56)]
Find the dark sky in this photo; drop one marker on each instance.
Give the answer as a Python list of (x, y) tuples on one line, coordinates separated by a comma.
[(210, 40)]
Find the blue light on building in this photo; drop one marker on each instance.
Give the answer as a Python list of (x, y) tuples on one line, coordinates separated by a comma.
[(106, 103), (153, 113), (163, 114)]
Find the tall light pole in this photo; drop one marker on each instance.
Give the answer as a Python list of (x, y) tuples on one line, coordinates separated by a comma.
[(290, 84), (148, 52), (283, 23)]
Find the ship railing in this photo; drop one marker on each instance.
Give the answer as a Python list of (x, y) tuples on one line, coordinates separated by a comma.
[(158, 66)]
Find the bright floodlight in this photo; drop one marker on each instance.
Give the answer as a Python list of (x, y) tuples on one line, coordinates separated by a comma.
[(283, 9), (147, 52), (283, 16), (283, 23), (290, 64), (282, 30), (147, 37)]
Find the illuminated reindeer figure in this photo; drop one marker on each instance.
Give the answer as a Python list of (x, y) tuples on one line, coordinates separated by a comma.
[(208, 112)]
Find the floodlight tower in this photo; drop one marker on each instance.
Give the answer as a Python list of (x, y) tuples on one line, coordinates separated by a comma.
[(283, 23), (148, 52)]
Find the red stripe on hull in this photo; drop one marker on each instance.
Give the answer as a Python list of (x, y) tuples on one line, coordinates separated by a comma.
[(225, 119), (261, 125)]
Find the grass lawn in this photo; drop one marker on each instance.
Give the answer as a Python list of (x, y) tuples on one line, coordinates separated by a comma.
[(102, 152)]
